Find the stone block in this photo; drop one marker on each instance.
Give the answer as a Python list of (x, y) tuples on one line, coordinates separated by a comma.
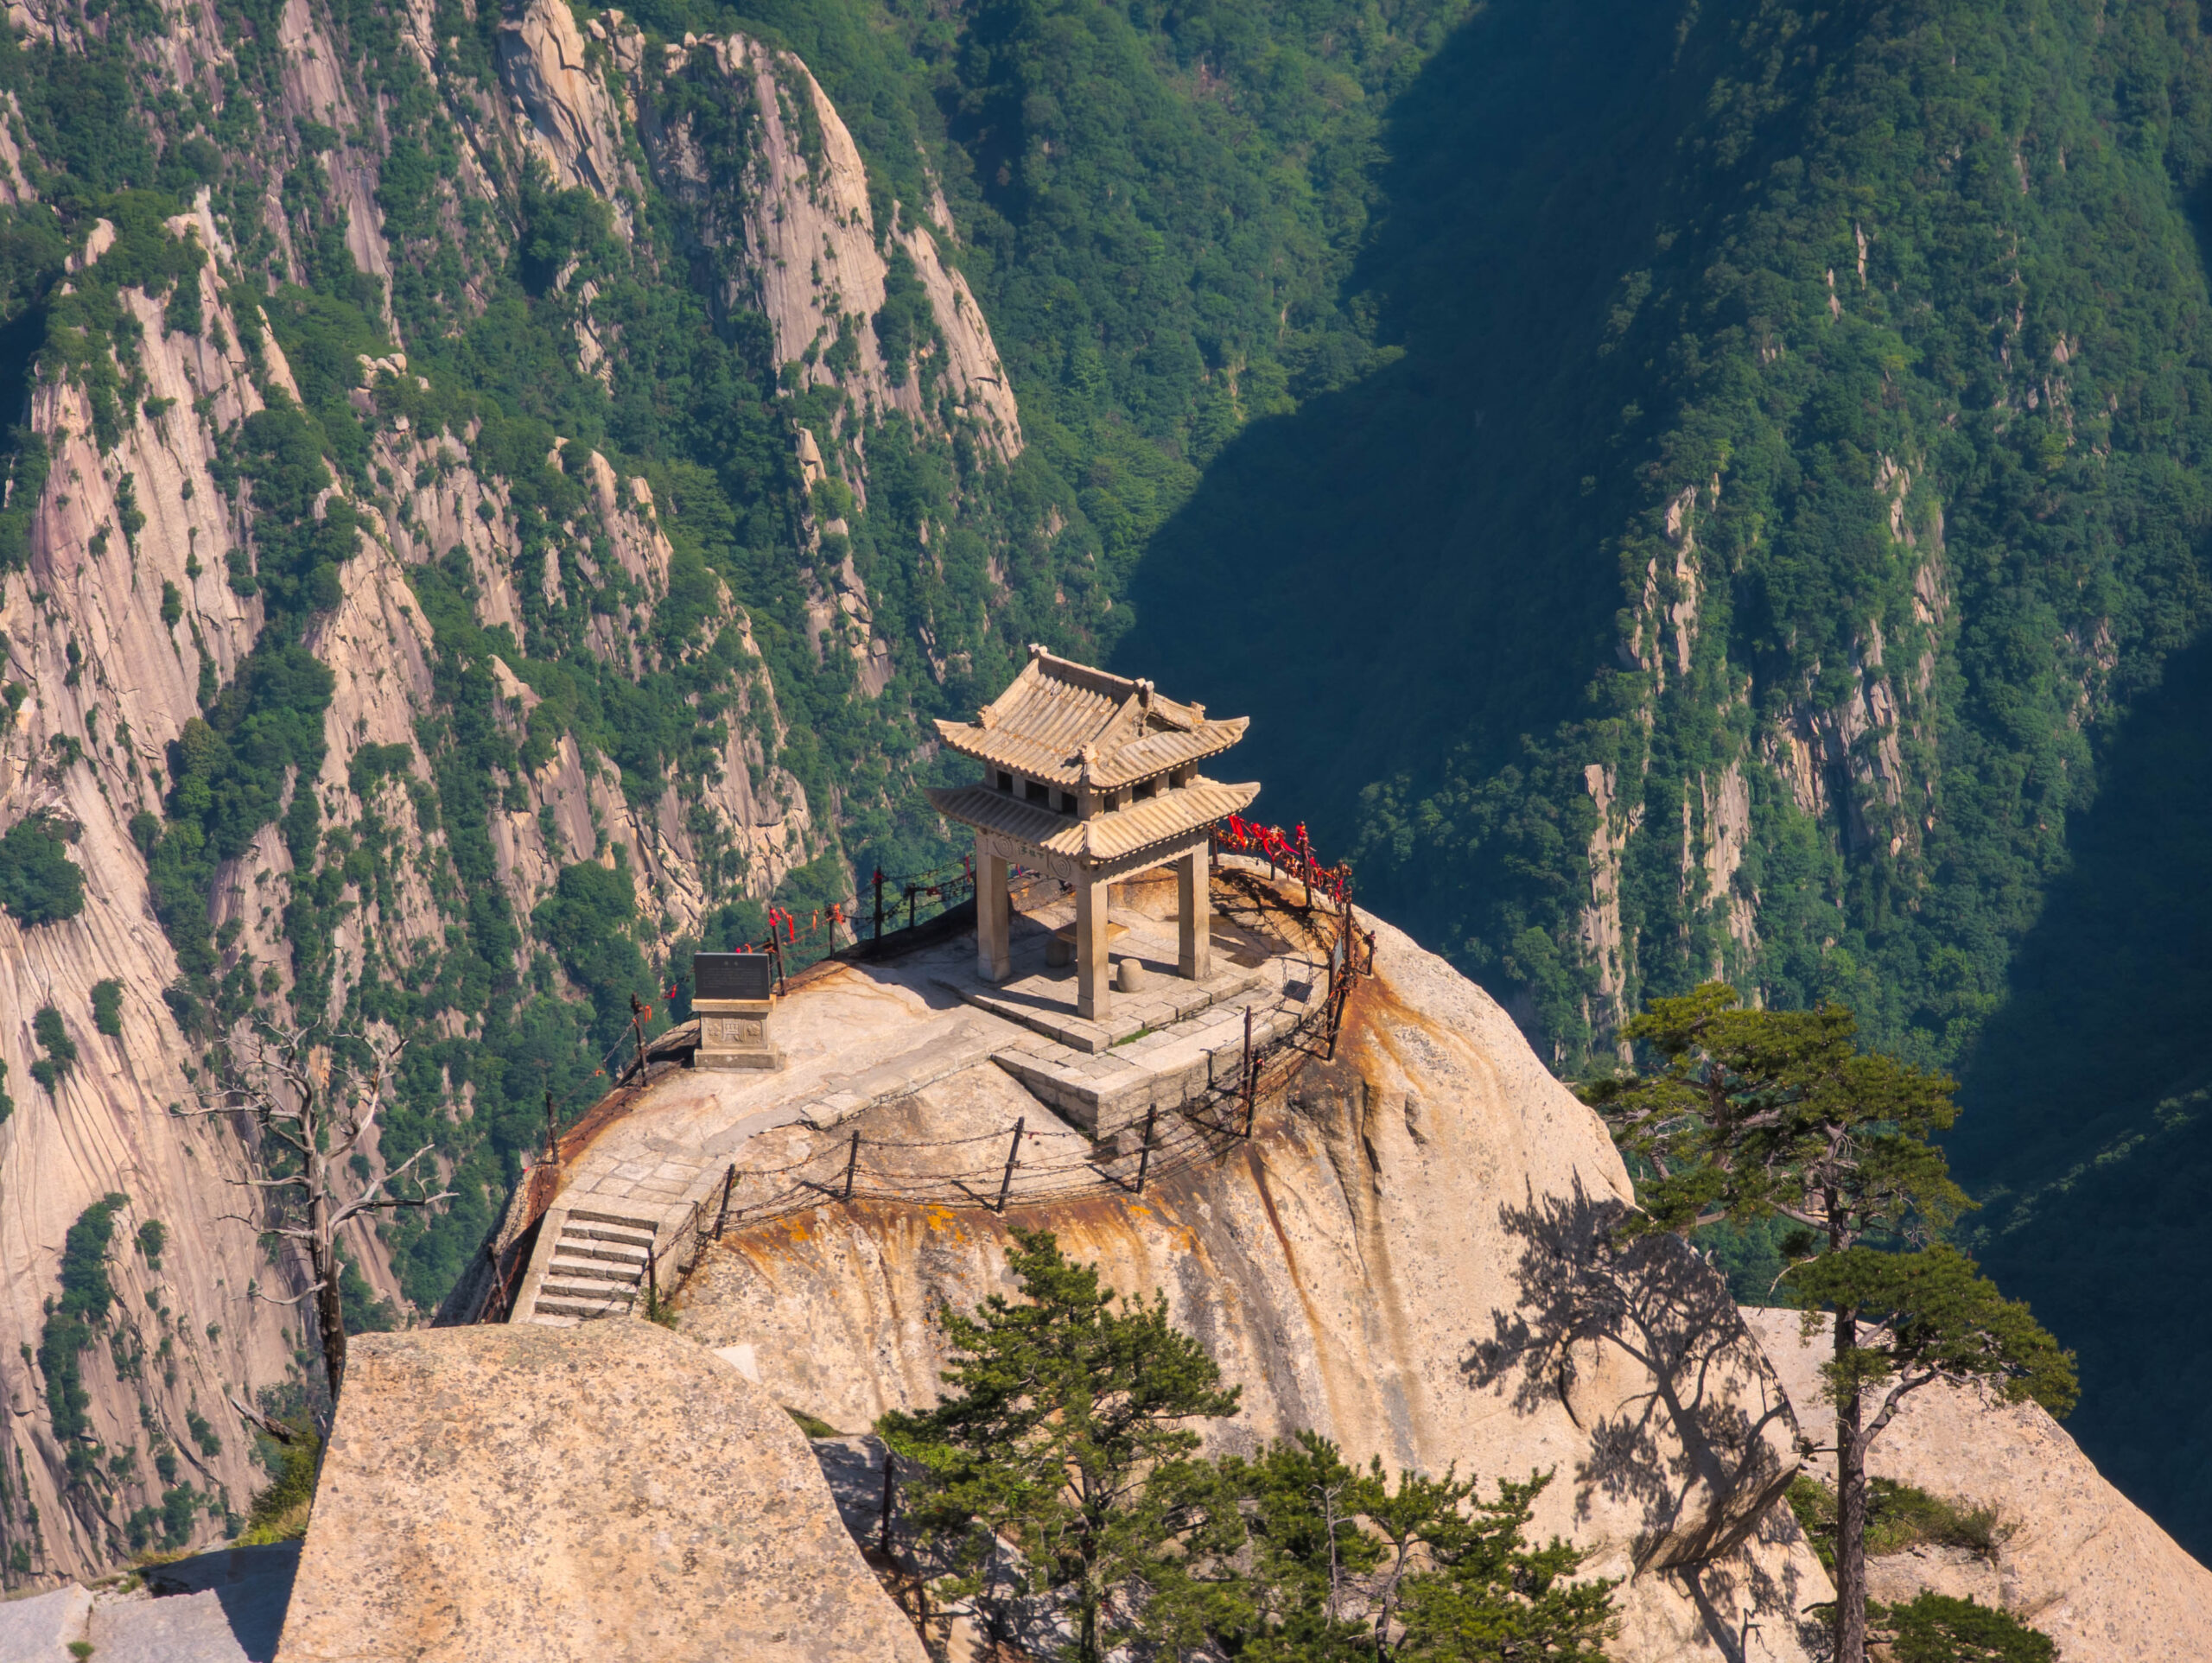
[(186, 1629), (572, 1495)]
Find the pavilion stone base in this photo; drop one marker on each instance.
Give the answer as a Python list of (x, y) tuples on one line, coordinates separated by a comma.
[(1037, 996), (733, 1034)]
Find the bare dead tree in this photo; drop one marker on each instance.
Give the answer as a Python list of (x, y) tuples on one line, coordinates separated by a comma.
[(315, 1108)]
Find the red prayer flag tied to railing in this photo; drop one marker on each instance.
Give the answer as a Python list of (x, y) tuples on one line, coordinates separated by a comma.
[(1293, 852)]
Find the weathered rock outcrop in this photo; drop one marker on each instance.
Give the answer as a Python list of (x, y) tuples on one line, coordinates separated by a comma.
[(2074, 1558), (571, 117), (821, 256), (1408, 1258), (574, 1495)]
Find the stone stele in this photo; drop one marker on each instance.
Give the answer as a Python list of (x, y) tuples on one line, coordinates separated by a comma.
[(607, 1491)]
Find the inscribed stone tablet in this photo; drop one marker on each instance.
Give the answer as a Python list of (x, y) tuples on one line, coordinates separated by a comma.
[(733, 975)]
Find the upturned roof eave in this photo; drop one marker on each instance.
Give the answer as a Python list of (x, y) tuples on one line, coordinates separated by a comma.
[(1172, 816), (1208, 738)]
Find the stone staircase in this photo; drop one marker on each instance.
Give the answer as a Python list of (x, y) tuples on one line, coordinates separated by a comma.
[(597, 1268)]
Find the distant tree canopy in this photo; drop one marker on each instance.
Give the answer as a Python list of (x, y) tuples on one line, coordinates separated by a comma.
[(39, 883)]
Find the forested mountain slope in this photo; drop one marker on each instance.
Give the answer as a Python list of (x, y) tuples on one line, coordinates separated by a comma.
[(495, 498), (1760, 557)]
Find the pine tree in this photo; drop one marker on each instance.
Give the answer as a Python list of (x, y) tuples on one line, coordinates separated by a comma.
[(1751, 1114), (1064, 1410)]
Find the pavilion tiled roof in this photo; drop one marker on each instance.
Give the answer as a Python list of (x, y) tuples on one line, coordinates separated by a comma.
[(1055, 707), (1173, 813)]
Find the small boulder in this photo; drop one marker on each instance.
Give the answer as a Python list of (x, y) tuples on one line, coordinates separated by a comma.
[(42, 1627)]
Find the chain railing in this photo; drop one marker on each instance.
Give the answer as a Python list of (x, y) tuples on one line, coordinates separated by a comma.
[(1056, 1165)]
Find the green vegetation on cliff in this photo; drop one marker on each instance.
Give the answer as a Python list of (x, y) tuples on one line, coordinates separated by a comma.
[(1816, 397), (1690, 491), (1764, 560)]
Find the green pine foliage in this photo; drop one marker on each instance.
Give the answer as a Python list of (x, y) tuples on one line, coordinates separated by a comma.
[(1750, 1118), (1941, 1628), (1070, 1430), (39, 883), (1060, 1409), (1899, 1517), (279, 1511), (107, 1005), (52, 1035)]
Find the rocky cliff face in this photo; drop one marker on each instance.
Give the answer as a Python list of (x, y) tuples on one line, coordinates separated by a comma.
[(467, 577), (1407, 1259)]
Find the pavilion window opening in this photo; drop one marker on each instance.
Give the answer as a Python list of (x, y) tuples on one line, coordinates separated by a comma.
[(1005, 781)]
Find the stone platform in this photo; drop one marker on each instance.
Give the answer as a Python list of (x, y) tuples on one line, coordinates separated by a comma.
[(920, 1043)]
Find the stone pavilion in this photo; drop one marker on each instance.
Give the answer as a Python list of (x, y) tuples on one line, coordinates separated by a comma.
[(1088, 778)]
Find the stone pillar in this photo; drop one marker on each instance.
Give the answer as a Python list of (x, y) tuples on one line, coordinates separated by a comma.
[(1193, 916), (993, 951), (1090, 939)]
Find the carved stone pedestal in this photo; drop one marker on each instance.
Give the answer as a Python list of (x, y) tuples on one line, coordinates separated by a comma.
[(733, 1034)]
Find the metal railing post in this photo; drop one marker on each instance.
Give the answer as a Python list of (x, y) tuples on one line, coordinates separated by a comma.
[(852, 1161), (729, 1183), (1144, 1156), (1012, 1154), (1251, 1071)]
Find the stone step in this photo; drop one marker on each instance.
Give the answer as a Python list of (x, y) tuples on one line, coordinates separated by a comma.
[(590, 1269), (613, 1253), (642, 1241), (639, 1226), (544, 1319), (1165, 1071), (560, 1281), (550, 1304), (1046, 1005)]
